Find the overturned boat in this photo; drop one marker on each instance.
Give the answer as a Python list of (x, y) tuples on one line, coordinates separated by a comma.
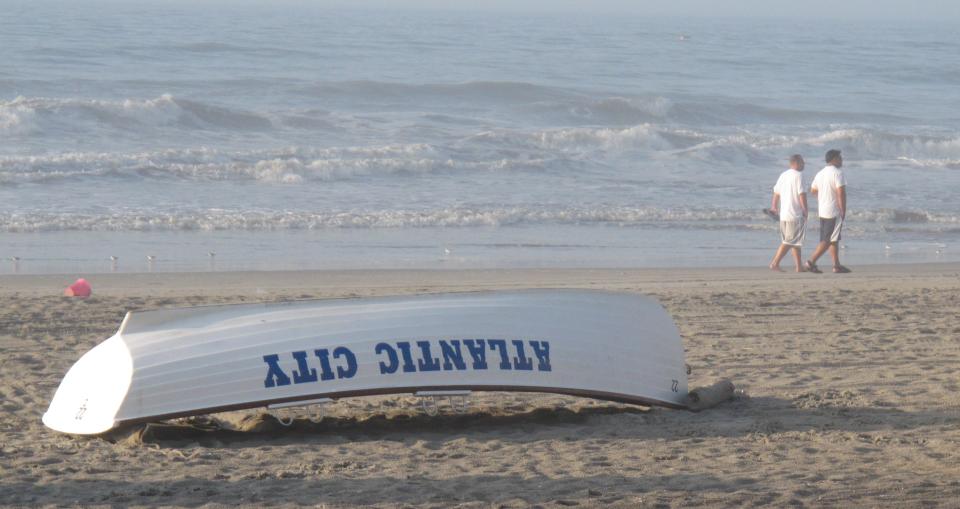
[(180, 362)]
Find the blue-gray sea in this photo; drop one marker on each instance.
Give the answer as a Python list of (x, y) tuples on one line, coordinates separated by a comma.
[(300, 136)]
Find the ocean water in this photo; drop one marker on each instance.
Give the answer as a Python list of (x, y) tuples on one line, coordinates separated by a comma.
[(293, 136)]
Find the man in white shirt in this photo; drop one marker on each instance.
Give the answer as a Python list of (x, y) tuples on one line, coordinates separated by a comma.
[(790, 198), (831, 190)]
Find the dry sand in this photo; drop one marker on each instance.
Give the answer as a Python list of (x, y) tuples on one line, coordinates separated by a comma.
[(853, 384)]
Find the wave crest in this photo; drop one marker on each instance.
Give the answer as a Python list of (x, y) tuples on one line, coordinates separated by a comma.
[(37, 115)]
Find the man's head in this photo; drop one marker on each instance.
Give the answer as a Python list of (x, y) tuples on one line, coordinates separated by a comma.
[(796, 162), (833, 157)]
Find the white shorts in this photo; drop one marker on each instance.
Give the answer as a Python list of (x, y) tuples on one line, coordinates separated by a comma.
[(792, 231)]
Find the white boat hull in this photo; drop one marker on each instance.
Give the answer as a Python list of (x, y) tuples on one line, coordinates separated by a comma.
[(179, 362)]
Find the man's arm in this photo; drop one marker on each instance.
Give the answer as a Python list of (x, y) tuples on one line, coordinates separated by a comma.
[(842, 200), (803, 203), (775, 204)]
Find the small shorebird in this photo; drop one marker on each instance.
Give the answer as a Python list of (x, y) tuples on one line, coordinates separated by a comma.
[(114, 258)]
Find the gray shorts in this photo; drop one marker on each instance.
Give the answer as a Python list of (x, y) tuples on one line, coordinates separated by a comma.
[(830, 229), (792, 232)]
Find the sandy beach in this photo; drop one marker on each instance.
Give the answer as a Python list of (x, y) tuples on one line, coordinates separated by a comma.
[(851, 381)]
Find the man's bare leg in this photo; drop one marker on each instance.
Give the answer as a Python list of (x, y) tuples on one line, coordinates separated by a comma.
[(798, 259), (835, 254), (817, 253), (781, 252)]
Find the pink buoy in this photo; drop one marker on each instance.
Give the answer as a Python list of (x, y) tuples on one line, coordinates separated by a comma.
[(80, 288)]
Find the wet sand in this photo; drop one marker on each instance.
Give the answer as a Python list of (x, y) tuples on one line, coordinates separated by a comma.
[(852, 383)]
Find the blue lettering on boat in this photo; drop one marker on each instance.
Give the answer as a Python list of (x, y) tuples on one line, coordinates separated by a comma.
[(402, 357)]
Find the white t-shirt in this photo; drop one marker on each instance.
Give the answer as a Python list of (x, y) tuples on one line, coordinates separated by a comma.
[(828, 183), (790, 187)]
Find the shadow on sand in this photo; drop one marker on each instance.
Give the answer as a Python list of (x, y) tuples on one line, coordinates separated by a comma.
[(756, 416)]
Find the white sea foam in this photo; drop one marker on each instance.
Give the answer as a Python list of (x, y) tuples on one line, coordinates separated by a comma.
[(488, 151), (253, 220), (291, 165), (744, 147), (873, 144)]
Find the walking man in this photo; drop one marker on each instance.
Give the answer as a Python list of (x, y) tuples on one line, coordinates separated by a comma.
[(831, 190), (790, 198)]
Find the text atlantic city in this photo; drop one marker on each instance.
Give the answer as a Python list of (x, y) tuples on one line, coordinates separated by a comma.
[(411, 357)]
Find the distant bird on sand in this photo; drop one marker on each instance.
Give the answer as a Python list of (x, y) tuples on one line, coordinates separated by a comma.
[(114, 258)]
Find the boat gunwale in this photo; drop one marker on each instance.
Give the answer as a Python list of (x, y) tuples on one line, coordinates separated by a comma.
[(386, 391)]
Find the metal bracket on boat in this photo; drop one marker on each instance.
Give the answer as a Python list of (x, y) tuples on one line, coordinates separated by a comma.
[(317, 417), (459, 401)]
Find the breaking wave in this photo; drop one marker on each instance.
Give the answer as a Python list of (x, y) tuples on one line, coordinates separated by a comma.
[(258, 220), (471, 101), (33, 116), (578, 106), (556, 150), (288, 166), (757, 147)]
